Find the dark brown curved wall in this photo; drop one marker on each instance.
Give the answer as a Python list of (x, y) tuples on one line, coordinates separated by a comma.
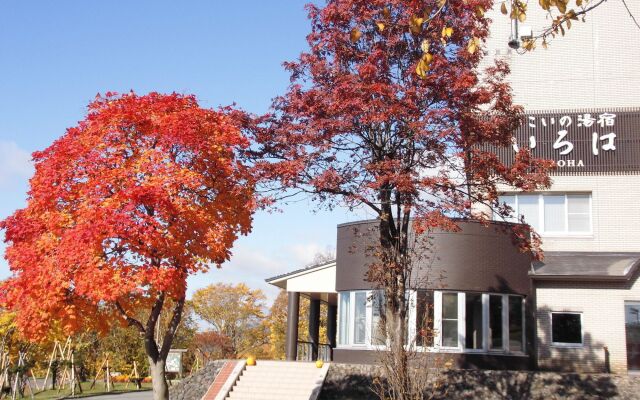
[(474, 259), (477, 258)]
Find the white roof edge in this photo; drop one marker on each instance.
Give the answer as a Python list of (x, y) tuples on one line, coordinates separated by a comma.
[(303, 272)]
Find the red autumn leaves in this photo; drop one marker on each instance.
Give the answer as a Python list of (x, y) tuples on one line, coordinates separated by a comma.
[(143, 192)]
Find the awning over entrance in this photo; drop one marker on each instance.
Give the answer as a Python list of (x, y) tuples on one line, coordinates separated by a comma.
[(586, 266), (316, 282)]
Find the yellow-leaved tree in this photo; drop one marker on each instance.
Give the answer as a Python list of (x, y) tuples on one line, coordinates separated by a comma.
[(237, 313)]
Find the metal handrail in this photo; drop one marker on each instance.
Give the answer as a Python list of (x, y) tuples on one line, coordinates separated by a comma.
[(305, 351)]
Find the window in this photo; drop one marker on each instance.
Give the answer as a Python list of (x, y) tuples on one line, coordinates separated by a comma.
[(424, 319), (444, 320), (449, 320), (378, 333), (579, 213), (552, 214), (516, 322), (495, 322), (344, 318), (529, 208), (360, 318), (474, 322), (566, 328)]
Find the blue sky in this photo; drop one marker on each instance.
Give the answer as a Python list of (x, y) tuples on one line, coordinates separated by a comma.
[(55, 57)]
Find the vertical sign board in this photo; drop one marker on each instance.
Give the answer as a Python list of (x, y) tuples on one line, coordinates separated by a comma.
[(591, 141), (174, 361)]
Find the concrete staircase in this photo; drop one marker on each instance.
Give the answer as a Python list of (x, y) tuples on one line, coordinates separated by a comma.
[(279, 380)]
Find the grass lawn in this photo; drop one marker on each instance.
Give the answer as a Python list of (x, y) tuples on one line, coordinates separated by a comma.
[(97, 389)]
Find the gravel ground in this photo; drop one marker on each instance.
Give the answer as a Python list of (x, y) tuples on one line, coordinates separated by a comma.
[(353, 382)]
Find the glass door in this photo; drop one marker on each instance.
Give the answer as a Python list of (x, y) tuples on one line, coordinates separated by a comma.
[(632, 330)]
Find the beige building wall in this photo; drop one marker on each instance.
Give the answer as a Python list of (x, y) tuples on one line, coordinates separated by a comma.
[(615, 209), (603, 324), (595, 66)]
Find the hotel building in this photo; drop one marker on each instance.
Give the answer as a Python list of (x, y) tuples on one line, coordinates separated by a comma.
[(493, 307)]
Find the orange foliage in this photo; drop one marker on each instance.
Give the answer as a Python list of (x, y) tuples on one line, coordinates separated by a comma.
[(143, 192)]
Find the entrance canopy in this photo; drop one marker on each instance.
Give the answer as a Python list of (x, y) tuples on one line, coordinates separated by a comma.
[(317, 282)]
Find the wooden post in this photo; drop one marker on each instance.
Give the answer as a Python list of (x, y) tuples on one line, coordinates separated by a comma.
[(97, 375), (53, 353), (108, 373)]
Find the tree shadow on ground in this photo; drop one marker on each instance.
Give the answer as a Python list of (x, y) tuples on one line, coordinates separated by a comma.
[(478, 384)]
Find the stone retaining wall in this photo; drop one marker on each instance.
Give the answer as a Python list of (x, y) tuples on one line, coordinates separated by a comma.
[(195, 386), (353, 382)]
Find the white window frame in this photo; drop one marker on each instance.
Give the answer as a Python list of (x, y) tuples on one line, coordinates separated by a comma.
[(437, 323), (541, 196), (369, 332), (461, 348), (352, 319), (485, 321), (460, 304), (524, 325), (564, 344)]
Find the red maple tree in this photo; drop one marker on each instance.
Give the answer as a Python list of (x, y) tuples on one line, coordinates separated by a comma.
[(391, 109), (122, 209)]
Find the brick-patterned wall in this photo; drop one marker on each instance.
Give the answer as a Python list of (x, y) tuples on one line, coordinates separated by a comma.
[(603, 323), (615, 210), (615, 213), (594, 65)]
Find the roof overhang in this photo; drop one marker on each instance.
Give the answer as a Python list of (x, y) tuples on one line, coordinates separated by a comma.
[(315, 279), (586, 266)]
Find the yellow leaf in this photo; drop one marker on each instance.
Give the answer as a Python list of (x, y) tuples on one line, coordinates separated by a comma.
[(480, 12), (473, 45), (380, 26), (423, 65), (415, 25), (386, 13), (355, 35), (522, 17), (503, 8), (441, 3), (579, 3), (447, 32), (562, 7)]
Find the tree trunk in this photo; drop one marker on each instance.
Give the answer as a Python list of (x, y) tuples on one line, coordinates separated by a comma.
[(159, 382), (395, 257)]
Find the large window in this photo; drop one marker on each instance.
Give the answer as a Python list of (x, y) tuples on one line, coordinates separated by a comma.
[(345, 300), (495, 322), (474, 321), (516, 320), (378, 331), (552, 214), (353, 318), (424, 319), (438, 320), (449, 319), (566, 329), (360, 318)]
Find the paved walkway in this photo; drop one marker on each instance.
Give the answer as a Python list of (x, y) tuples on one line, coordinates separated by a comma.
[(144, 395)]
